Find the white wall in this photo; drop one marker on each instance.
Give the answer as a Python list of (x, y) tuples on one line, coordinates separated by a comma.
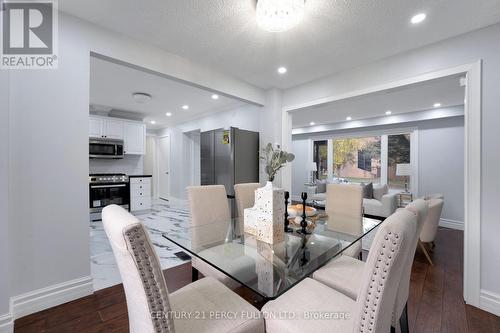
[(245, 117), (4, 194), (48, 215), (482, 44), (130, 165), (150, 162), (48, 141), (302, 148), (441, 164)]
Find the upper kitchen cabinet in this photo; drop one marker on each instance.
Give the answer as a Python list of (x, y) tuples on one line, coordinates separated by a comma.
[(135, 138), (105, 128), (132, 133)]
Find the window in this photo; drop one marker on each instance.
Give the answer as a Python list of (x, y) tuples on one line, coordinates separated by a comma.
[(321, 159), (357, 159), (398, 151), (360, 159)]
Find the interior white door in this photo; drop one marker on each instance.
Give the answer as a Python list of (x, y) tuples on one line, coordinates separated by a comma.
[(164, 167)]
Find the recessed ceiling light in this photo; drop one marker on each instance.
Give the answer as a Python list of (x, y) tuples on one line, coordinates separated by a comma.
[(348, 118), (436, 105), (282, 70), (152, 122), (419, 18), (141, 98), (312, 123), (215, 96), (185, 107), (168, 114), (388, 112)]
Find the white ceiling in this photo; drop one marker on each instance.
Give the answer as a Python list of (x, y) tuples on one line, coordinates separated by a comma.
[(417, 97), (112, 85), (334, 35)]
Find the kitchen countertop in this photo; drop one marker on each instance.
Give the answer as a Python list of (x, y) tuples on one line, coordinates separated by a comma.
[(139, 176)]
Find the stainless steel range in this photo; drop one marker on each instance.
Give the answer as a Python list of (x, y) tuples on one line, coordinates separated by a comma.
[(107, 189)]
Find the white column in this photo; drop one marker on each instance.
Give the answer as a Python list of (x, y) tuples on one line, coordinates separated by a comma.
[(271, 129), (4, 194), (384, 158), (330, 159)]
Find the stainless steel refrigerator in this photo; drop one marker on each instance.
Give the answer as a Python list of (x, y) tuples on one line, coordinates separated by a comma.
[(228, 157)]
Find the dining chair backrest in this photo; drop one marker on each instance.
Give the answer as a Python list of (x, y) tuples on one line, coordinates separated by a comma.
[(344, 202), (382, 272), (245, 196), (208, 204), (419, 208), (145, 288), (431, 223)]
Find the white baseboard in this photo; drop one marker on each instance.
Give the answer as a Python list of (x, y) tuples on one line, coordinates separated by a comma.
[(6, 323), (490, 302), (451, 224), (51, 296)]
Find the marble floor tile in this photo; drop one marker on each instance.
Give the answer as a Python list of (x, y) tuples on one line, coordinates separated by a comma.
[(165, 217)]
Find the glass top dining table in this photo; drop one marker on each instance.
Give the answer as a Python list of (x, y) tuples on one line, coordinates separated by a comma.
[(272, 269)]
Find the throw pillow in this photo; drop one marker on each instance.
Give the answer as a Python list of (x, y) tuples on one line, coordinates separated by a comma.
[(368, 191)]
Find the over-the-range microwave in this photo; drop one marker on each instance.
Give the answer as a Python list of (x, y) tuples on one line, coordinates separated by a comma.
[(105, 148)]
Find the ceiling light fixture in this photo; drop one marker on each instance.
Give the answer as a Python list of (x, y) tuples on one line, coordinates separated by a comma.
[(388, 112), (419, 18), (152, 122), (282, 70), (348, 118), (168, 114), (312, 123), (436, 105), (141, 98), (185, 107), (279, 15), (215, 96)]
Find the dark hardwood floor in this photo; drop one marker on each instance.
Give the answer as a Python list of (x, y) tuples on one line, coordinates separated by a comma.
[(435, 303)]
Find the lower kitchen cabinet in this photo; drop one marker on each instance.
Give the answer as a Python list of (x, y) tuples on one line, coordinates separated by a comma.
[(140, 193)]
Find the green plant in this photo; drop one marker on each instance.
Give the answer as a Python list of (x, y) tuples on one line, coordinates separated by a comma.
[(275, 159)]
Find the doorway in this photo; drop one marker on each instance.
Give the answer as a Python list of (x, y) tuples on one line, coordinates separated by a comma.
[(164, 167)]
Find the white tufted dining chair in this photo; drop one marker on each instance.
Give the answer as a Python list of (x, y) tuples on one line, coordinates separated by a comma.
[(344, 202), (371, 312), (150, 306), (209, 205), (343, 274), (245, 196)]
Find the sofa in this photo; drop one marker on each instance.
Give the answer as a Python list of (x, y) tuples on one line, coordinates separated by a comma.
[(382, 203)]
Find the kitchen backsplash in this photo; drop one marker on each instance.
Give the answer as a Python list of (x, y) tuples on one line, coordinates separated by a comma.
[(130, 165)]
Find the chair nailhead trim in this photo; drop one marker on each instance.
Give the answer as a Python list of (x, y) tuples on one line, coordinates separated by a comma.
[(378, 281)]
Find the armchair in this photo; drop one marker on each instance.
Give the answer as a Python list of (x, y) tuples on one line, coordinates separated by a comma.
[(383, 203)]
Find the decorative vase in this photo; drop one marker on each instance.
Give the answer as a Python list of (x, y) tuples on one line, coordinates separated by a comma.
[(265, 219)]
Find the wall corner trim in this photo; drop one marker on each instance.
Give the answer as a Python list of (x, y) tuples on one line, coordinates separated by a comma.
[(490, 302), (44, 298), (6, 323), (451, 224)]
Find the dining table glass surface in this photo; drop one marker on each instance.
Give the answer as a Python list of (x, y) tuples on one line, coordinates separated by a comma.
[(272, 269)]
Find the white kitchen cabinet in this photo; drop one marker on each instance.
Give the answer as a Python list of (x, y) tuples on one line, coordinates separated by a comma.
[(140, 193), (113, 129), (135, 138), (100, 127), (132, 133), (95, 127)]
